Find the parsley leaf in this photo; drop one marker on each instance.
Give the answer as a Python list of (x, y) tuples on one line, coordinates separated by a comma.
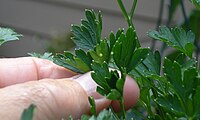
[(124, 47), (113, 38), (125, 53), (171, 104), (46, 55), (92, 105), (101, 53), (103, 115), (88, 34), (150, 67), (108, 81), (80, 62), (183, 86), (176, 37), (138, 56), (7, 34), (28, 113)]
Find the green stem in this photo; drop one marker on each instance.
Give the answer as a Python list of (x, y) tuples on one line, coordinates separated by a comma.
[(133, 9), (128, 18), (121, 5), (123, 111), (121, 101)]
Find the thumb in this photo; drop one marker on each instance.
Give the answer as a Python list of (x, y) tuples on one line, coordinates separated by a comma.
[(54, 99)]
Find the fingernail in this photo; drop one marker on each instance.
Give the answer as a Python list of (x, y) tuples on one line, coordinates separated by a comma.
[(88, 85), (76, 76)]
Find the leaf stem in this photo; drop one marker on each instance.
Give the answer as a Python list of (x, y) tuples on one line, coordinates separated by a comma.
[(133, 9), (121, 101), (122, 7), (123, 111), (128, 18)]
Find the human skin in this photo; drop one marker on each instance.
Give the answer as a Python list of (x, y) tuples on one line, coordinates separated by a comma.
[(56, 91)]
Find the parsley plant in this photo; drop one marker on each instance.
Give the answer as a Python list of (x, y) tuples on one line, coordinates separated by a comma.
[(170, 87)]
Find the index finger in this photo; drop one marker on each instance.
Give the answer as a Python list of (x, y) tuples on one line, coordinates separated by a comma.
[(19, 70)]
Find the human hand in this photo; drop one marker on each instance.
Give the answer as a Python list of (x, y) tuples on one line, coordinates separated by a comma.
[(52, 89)]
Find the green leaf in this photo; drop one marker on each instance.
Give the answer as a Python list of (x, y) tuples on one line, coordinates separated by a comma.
[(112, 81), (28, 113), (188, 64), (174, 54), (114, 38), (149, 67), (85, 57), (153, 62), (46, 55), (102, 91), (60, 60), (92, 106), (7, 34), (135, 114), (138, 56), (85, 117), (183, 83), (172, 71), (88, 34), (176, 37), (124, 47), (196, 3), (189, 81), (145, 96), (101, 74), (171, 104), (108, 81), (80, 62), (106, 115), (105, 88), (101, 53), (103, 115), (120, 84), (114, 95), (182, 60), (101, 70)]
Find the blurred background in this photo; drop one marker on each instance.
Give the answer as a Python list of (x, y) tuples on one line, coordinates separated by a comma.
[(45, 24)]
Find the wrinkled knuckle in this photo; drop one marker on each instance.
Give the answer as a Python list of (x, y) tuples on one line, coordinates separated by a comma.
[(42, 96)]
